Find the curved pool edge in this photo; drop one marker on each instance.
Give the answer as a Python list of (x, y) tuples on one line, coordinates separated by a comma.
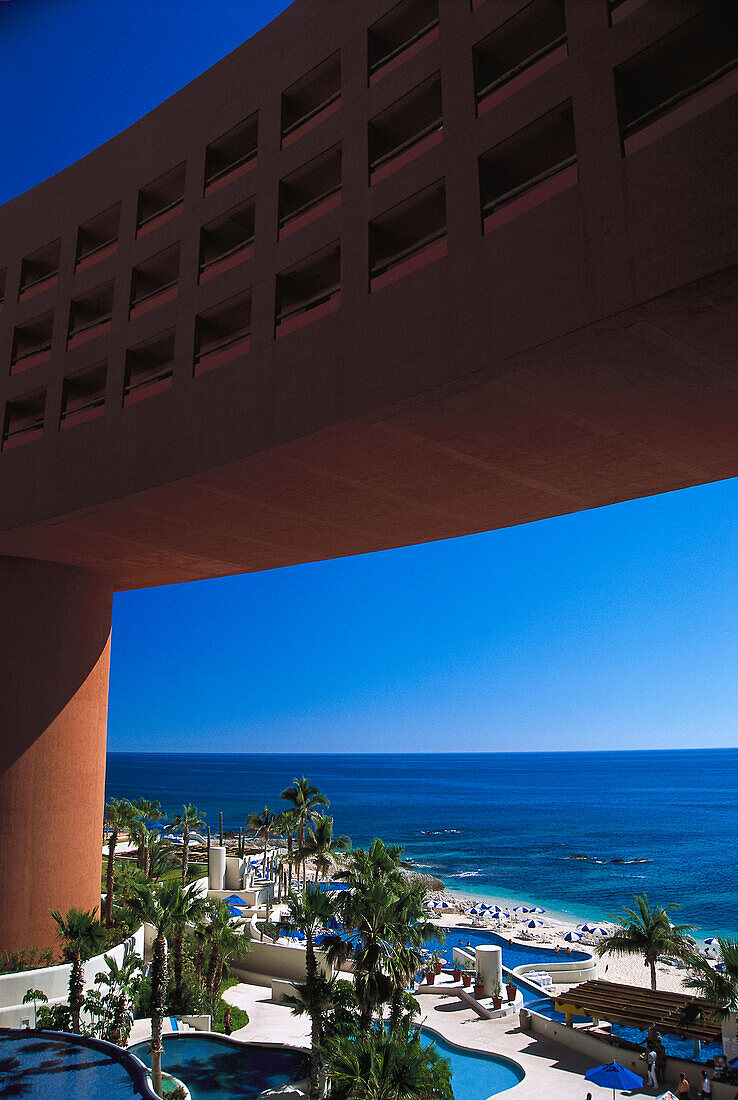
[(136, 1069), (490, 1055)]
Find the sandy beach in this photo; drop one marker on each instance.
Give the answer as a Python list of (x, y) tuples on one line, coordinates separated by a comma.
[(629, 971)]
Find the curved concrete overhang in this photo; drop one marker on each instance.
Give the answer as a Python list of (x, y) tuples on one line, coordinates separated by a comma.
[(579, 354)]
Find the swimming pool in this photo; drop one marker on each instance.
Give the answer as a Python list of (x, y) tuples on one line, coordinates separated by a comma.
[(216, 1068), (513, 954), (42, 1065), (474, 1074)]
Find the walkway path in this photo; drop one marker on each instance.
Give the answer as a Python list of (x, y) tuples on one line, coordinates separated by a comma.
[(552, 1072)]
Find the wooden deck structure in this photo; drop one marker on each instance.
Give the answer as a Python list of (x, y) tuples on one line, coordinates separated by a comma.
[(673, 1013)]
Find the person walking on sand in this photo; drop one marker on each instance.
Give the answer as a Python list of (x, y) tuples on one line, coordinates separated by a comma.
[(705, 1086)]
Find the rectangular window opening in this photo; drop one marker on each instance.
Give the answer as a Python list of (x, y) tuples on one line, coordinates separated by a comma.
[(518, 52), (31, 343), (83, 396), (405, 130), (534, 164), (309, 290), (223, 333), (232, 155), (98, 238), (312, 99), (227, 241), (684, 73), (40, 270), (408, 237), (24, 420), (155, 282), (89, 316), (160, 200), (149, 368), (399, 35), (310, 192)]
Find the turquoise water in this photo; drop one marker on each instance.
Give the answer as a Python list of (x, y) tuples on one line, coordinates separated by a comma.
[(510, 824), (513, 954), (39, 1068), (474, 1076), (216, 1069)]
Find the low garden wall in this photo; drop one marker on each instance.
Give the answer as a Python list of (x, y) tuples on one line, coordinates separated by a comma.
[(54, 982), (601, 1051)]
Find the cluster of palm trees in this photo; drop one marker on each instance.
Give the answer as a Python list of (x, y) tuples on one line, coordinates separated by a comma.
[(646, 931), (379, 925), (177, 913), (307, 833), (155, 855)]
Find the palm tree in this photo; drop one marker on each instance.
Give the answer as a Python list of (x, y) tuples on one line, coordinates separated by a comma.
[(321, 845), (225, 939), (118, 816), (145, 811), (409, 930), (188, 908), (305, 799), (649, 933), (263, 826), (122, 982), (720, 987), (375, 1065), (307, 913), (189, 821), (82, 936), (154, 903), (161, 856), (286, 826), (38, 997)]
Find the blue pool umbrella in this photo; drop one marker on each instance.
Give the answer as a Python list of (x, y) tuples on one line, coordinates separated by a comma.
[(614, 1076)]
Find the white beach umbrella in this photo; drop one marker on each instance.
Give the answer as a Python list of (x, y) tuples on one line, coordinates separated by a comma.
[(534, 924), (573, 937), (521, 909), (536, 909), (483, 907), (712, 941), (598, 930), (473, 912)]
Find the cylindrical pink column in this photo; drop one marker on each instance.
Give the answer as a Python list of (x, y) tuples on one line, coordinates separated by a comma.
[(54, 662)]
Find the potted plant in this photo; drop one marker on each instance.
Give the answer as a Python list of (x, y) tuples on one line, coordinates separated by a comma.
[(512, 991), (466, 973), (430, 977), (436, 958), (457, 972), (496, 994), (478, 986)]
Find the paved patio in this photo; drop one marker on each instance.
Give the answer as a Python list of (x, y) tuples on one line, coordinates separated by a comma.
[(551, 1071)]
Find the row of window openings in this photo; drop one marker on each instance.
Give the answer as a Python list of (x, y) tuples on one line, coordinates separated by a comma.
[(655, 82), (524, 170), (406, 238)]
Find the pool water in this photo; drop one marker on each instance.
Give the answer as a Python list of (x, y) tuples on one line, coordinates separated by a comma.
[(37, 1067), (513, 954), (474, 1076), (215, 1068)]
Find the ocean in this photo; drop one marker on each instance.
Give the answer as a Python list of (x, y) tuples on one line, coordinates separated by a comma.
[(578, 833)]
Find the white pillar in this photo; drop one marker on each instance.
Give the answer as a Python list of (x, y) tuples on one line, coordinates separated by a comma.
[(489, 966), (216, 867)]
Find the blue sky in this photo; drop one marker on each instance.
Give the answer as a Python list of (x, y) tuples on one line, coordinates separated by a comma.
[(608, 629)]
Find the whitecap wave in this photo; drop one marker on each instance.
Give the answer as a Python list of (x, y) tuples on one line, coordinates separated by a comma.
[(468, 874)]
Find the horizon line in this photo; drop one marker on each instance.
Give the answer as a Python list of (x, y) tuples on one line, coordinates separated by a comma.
[(461, 752)]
